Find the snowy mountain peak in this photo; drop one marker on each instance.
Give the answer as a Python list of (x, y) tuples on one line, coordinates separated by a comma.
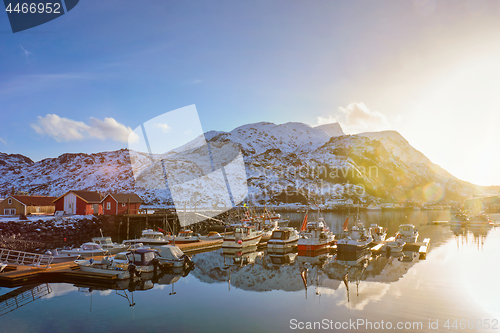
[(332, 129)]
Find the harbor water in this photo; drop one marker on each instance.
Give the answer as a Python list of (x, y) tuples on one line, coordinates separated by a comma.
[(455, 288)]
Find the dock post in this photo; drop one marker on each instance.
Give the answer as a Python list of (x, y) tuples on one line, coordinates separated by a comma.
[(128, 226)]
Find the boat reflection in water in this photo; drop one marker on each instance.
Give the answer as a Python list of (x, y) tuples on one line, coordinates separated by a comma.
[(283, 257), (241, 256)]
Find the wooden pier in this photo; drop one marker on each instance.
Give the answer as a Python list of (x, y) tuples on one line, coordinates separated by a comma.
[(17, 275)]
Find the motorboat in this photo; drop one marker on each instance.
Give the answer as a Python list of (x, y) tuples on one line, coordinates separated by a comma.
[(394, 246), (271, 218), (243, 236), (149, 237), (316, 237), (107, 244), (358, 239), (407, 233), (144, 260), (170, 255), (283, 237), (212, 236), (86, 249), (58, 257), (378, 233), (184, 237), (105, 266)]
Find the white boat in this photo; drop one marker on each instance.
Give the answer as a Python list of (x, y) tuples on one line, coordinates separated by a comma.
[(171, 255), (316, 237), (378, 233), (407, 233), (358, 239), (145, 260), (212, 236), (184, 236), (106, 266), (58, 257), (243, 236), (149, 237), (282, 238), (107, 244), (2, 266), (373, 207), (87, 249), (394, 246)]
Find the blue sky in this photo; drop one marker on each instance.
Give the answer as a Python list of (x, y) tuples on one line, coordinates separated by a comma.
[(427, 69)]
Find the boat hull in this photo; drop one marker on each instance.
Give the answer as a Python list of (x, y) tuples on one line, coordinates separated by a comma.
[(120, 274), (245, 242), (281, 244)]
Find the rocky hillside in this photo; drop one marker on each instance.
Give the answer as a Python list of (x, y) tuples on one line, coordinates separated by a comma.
[(320, 162)]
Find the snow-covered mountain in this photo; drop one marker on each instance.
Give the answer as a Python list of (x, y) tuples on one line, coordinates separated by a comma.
[(320, 161)]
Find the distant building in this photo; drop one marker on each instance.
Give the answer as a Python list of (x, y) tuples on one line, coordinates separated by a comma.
[(27, 204), (121, 203), (79, 203)]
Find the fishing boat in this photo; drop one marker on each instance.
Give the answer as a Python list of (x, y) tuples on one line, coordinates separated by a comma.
[(149, 237), (357, 239), (170, 255), (407, 233), (184, 237), (378, 233), (86, 249), (394, 246), (58, 257), (281, 238), (107, 244), (243, 236), (315, 237), (105, 266)]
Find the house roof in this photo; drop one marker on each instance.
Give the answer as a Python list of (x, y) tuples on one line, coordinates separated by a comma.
[(34, 200), (125, 197), (87, 196)]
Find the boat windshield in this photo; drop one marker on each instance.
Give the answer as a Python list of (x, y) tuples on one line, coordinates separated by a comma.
[(277, 235)]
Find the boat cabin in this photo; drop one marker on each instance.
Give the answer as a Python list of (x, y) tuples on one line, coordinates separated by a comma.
[(407, 230), (151, 234), (281, 234), (244, 230), (103, 240), (91, 247), (141, 257)]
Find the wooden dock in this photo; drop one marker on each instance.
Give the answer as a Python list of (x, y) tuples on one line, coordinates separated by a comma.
[(17, 275)]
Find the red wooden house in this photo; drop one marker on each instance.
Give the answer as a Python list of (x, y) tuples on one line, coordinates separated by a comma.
[(79, 203), (121, 203)]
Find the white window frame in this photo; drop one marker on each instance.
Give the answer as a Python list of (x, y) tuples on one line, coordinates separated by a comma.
[(8, 211), (124, 204), (9, 201), (108, 205)]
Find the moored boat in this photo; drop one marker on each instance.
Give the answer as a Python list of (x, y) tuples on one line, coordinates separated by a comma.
[(184, 237), (378, 233), (316, 237), (86, 249), (358, 239), (149, 237), (106, 266), (243, 236), (107, 244), (282, 238), (170, 255), (407, 233), (212, 236)]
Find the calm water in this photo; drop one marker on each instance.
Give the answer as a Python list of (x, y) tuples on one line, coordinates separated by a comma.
[(248, 293)]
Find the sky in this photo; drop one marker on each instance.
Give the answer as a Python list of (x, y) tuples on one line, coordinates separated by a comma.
[(427, 69)]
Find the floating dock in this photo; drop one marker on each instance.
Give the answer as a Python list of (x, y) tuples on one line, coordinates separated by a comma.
[(17, 275)]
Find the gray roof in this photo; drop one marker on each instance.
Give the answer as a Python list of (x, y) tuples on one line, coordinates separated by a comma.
[(126, 197)]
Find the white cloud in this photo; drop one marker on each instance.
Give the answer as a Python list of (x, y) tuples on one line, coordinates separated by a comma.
[(27, 54), (64, 129), (164, 127), (357, 118), (3, 141)]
